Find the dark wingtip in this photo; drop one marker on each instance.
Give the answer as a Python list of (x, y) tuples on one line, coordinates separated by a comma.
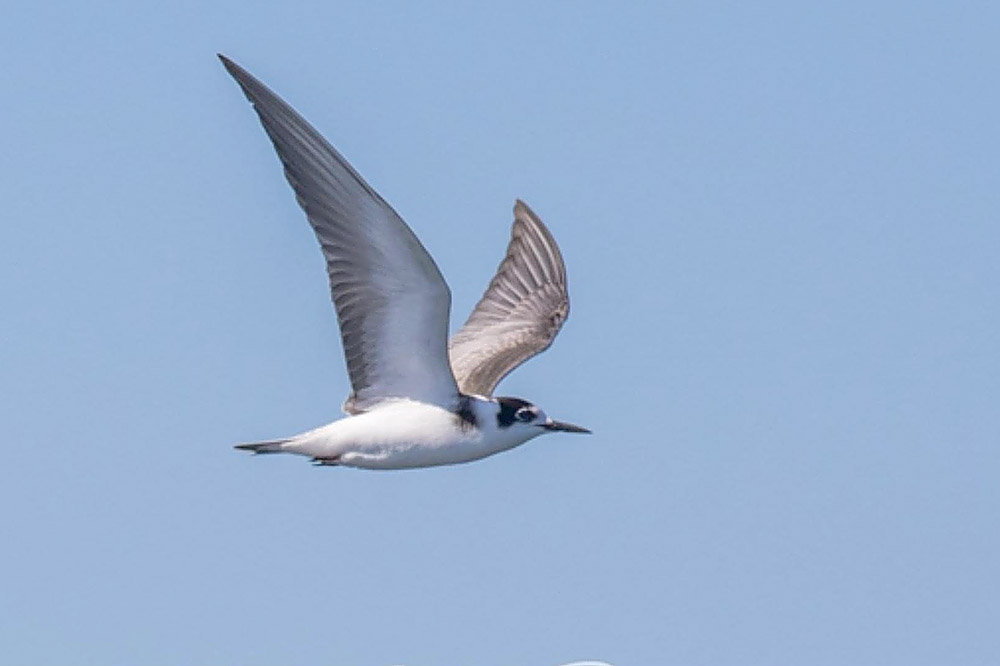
[(251, 87), (242, 76), (235, 70), (521, 208)]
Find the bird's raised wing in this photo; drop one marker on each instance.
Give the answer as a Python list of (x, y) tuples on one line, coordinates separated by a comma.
[(520, 313), (391, 301)]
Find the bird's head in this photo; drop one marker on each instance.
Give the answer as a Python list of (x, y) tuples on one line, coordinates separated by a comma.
[(522, 417)]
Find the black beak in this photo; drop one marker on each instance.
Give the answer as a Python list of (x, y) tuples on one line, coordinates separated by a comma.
[(559, 426)]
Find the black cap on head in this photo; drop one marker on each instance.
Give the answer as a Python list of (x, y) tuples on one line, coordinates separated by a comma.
[(508, 410)]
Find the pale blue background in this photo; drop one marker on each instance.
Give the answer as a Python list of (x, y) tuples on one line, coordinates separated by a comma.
[(782, 225)]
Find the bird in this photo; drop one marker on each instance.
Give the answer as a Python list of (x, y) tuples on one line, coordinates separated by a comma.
[(417, 398)]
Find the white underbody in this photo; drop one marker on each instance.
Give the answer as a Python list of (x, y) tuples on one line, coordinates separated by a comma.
[(400, 434)]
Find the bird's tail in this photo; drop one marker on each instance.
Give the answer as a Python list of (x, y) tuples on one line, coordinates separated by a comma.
[(270, 446)]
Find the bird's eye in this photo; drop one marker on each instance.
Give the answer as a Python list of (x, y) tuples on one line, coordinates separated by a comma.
[(525, 414)]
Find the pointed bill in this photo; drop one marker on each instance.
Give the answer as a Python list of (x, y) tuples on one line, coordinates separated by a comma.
[(561, 426)]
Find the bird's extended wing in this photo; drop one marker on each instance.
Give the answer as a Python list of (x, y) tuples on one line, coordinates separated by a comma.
[(520, 313), (391, 301)]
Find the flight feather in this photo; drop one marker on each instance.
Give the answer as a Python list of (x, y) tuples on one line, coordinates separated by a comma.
[(520, 313), (392, 302)]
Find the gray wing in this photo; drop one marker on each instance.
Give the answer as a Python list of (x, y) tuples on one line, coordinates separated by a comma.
[(520, 313), (391, 301)]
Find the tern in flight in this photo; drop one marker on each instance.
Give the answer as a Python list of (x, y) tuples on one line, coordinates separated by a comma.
[(417, 398)]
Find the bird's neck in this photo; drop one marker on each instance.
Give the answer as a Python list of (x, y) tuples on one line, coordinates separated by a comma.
[(475, 411), (482, 414)]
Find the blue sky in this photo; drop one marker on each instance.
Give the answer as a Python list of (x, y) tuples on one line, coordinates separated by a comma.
[(781, 227)]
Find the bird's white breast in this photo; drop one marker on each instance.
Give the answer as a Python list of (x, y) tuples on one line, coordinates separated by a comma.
[(405, 433)]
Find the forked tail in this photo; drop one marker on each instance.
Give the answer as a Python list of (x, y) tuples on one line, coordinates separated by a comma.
[(270, 446)]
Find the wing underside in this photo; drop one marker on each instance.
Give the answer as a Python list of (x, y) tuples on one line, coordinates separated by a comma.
[(520, 313), (392, 302)]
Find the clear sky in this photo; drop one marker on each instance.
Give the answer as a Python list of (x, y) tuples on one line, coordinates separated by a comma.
[(782, 228)]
